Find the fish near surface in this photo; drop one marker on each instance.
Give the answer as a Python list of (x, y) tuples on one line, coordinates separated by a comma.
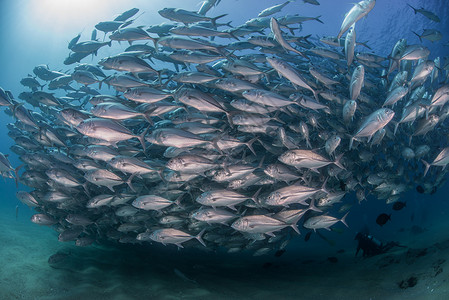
[(432, 35), (276, 30), (358, 11), (428, 14)]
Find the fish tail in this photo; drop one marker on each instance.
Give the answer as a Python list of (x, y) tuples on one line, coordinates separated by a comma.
[(250, 143), (420, 39), (231, 34), (343, 220), (305, 38), (313, 207), (16, 172), (395, 128), (229, 24), (351, 142), (308, 144), (260, 166), (215, 144), (156, 44), (318, 19), (295, 228), (147, 116), (86, 189), (323, 186), (254, 197), (142, 138), (365, 45), (386, 78), (229, 117), (315, 94), (15, 106), (427, 166), (276, 117), (178, 200), (214, 20), (198, 237), (414, 9), (160, 172), (129, 182), (337, 161)]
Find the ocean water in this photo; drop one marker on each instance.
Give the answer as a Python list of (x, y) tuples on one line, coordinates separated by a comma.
[(324, 267)]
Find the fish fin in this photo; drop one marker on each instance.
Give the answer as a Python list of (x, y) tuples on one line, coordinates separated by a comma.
[(351, 142), (313, 207), (414, 9), (16, 172), (396, 125), (254, 197), (308, 144), (178, 200), (141, 138), (159, 172), (337, 162), (318, 19), (420, 39), (315, 170), (249, 144), (147, 116), (343, 220), (129, 182), (231, 34), (214, 20), (364, 45), (295, 228), (231, 207), (86, 189), (276, 118), (156, 44), (229, 24), (198, 237), (427, 166)]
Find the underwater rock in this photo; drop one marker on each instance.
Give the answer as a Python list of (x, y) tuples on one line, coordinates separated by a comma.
[(407, 283)]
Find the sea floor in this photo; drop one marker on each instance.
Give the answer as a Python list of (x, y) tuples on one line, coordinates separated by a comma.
[(419, 271)]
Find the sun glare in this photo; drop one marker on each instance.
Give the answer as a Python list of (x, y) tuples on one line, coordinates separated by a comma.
[(61, 16)]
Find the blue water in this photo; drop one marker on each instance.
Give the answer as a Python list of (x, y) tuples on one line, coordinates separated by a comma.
[(37, 32)]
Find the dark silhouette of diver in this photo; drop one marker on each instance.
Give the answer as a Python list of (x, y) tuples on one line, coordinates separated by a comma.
[(371, 246)]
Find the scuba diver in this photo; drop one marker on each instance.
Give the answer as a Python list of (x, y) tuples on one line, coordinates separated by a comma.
[(371, 246)]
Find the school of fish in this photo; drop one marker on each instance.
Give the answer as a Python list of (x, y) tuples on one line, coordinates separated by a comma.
[(222, 136)]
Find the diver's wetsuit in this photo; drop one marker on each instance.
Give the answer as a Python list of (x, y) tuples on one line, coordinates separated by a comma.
[(371, 246)]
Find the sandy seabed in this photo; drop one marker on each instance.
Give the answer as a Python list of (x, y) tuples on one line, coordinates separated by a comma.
[(419, 271)]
